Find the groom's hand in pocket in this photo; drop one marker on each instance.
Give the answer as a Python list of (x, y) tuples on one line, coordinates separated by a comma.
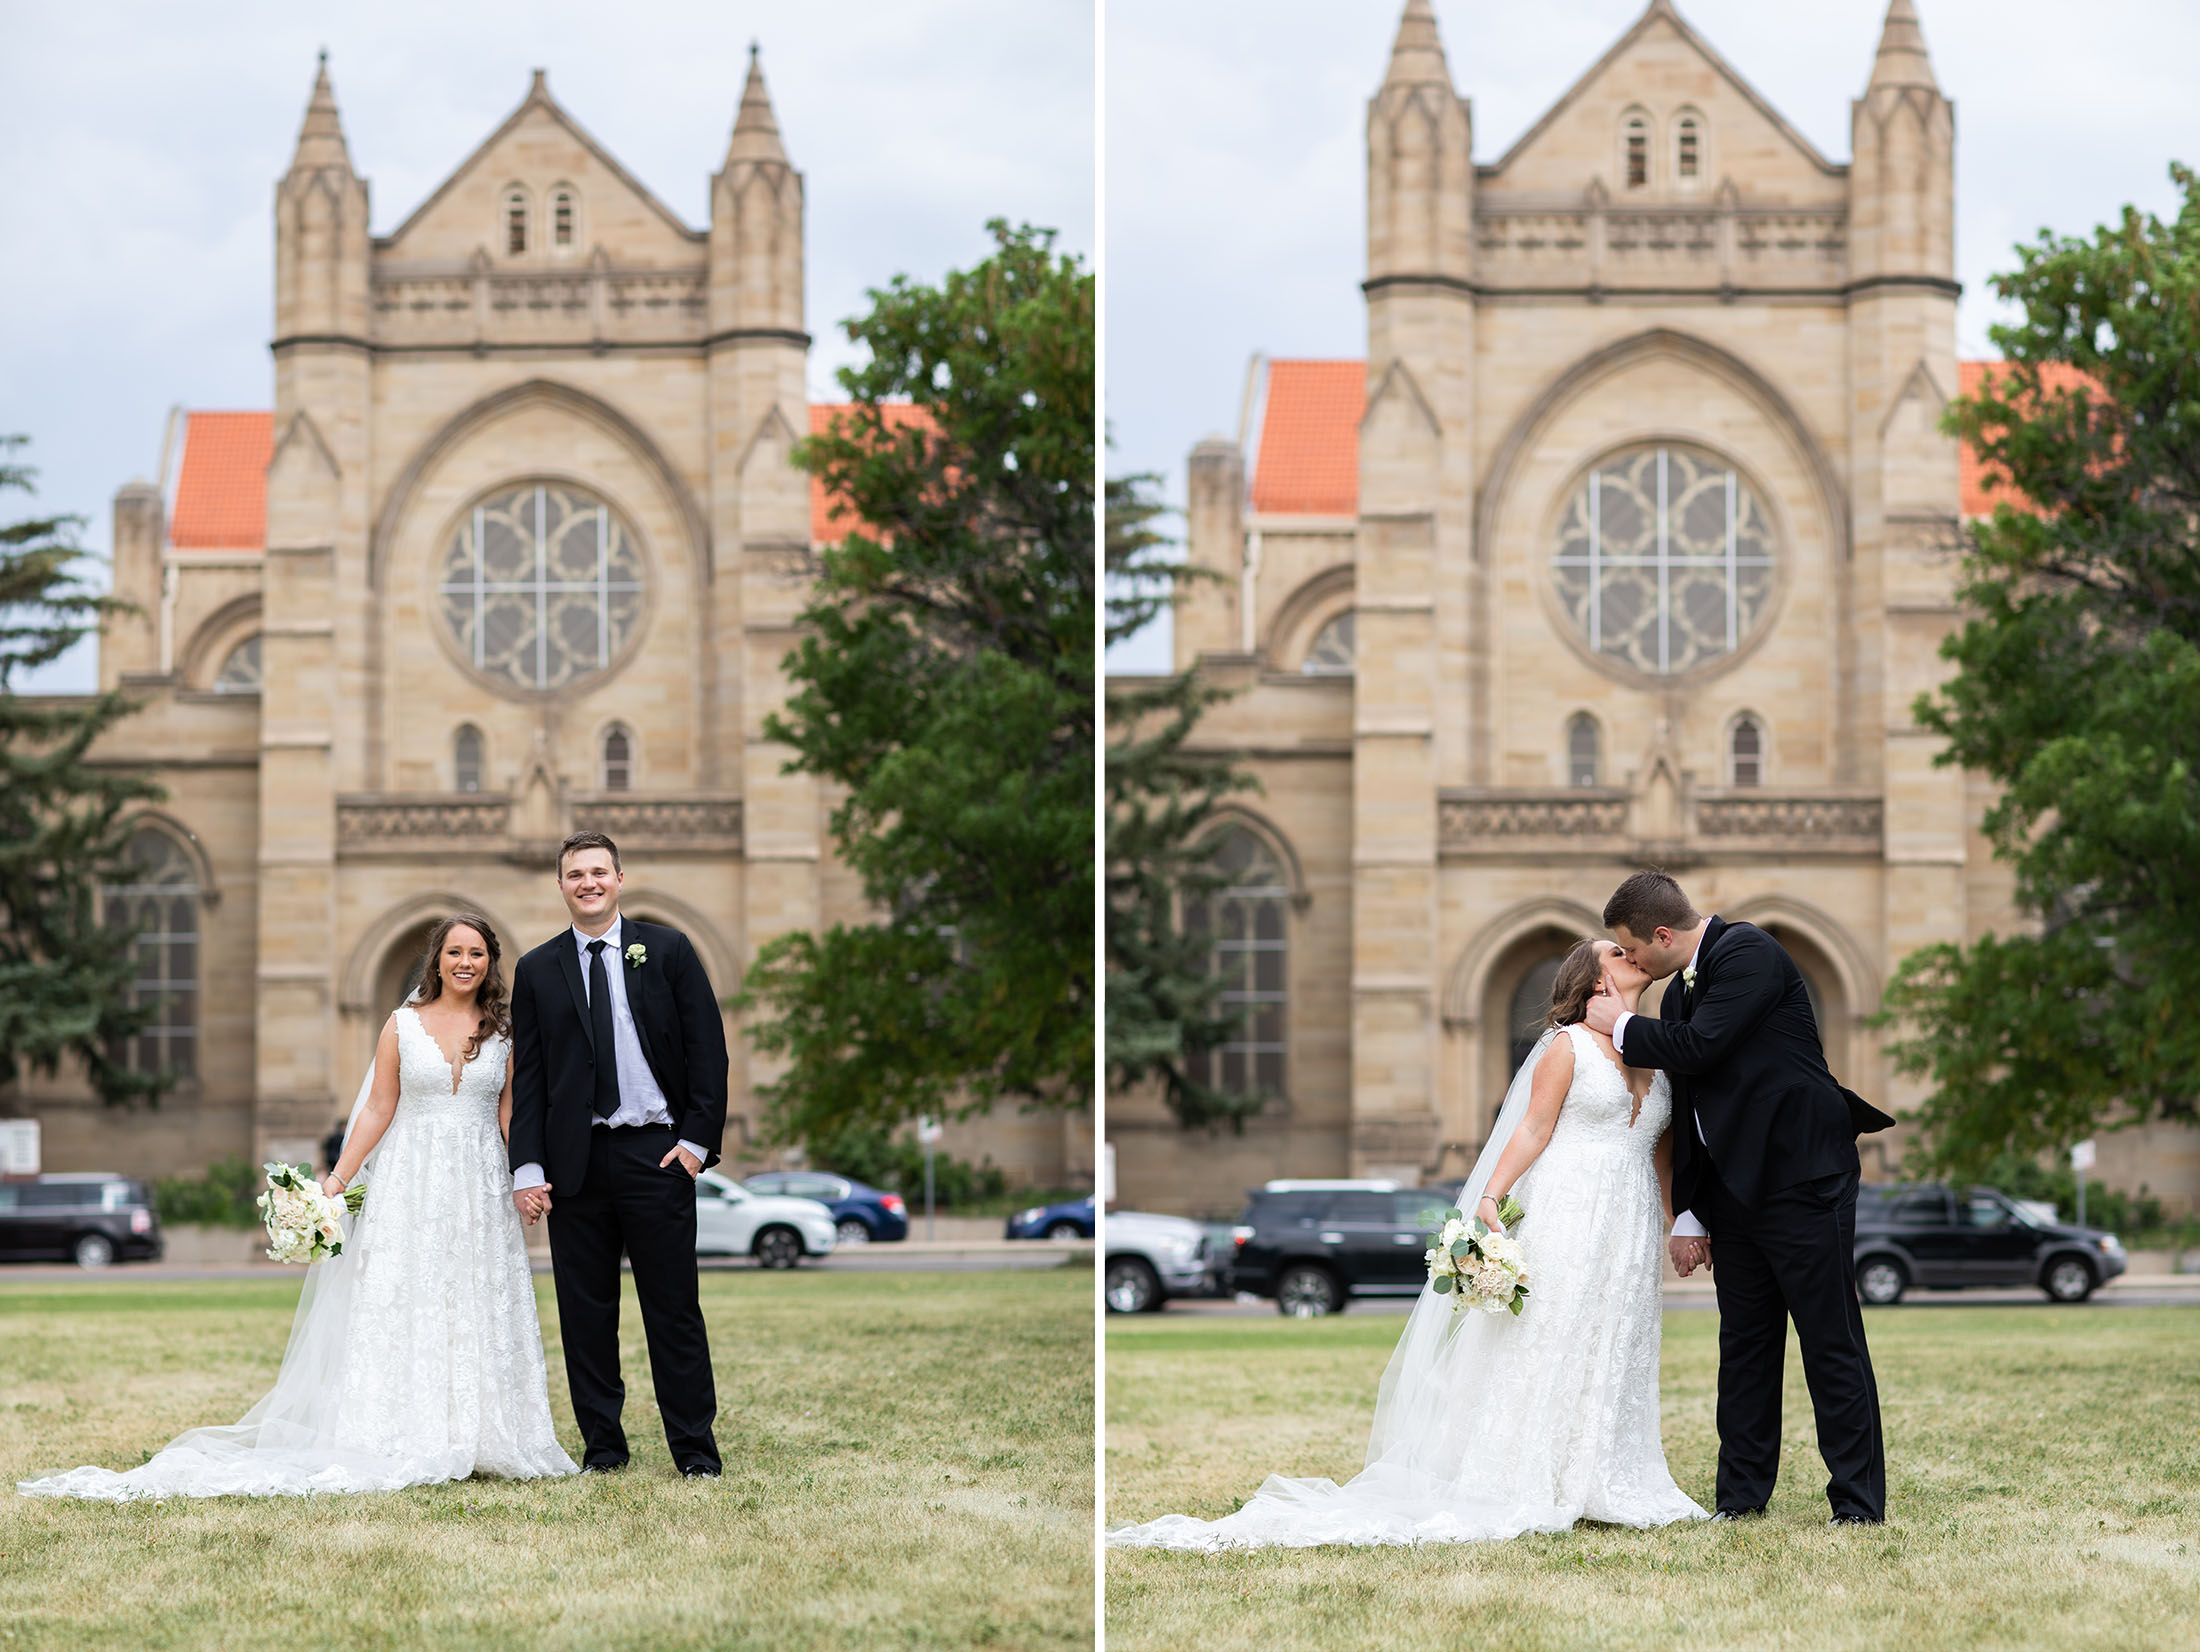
[(688, 1162)]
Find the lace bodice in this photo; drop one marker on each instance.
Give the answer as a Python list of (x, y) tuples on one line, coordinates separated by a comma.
[(1599, 1104), (424, 1073)]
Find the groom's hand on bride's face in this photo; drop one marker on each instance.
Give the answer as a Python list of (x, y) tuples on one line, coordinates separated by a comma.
[(1602, 1013)]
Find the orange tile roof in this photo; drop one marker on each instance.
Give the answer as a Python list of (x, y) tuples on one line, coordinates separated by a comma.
[(1308, 461), (830, 519), (1980, 497), (221, 488)]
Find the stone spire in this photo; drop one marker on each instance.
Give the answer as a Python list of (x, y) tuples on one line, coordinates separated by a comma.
[(755, 130), (1417, 57), (1902, 60), (321, 139)]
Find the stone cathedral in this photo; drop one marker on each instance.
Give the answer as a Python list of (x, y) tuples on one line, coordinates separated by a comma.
[(518, 551), (1629, 542)]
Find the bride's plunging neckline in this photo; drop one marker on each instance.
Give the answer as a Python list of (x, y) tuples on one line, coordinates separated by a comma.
[(1634, 1113), (459, 1066)]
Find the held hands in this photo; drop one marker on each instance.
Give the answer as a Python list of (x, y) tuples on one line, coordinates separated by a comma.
[(1689, 1253), (688, 1162), (532, 1203)]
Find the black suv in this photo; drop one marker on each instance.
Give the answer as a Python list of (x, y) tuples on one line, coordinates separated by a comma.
[(1926, 1234), (1313, 1248), (91, 1220)]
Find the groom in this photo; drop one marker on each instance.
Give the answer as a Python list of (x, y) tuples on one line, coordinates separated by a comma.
[(1765, 1168), (619, 1087)]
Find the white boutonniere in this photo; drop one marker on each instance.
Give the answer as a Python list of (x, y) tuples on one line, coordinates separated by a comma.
[(637, 955), (1688, 975)]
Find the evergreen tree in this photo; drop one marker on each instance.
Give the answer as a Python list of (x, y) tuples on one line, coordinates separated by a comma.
[(945, 688), (1163, 997), (2077, 689), (65, 976)]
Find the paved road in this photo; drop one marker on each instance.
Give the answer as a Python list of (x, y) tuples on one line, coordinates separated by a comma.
[(2167, 1291)]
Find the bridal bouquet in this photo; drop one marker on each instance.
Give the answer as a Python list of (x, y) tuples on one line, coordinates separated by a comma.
[(303, 1223), (1480, 1267)]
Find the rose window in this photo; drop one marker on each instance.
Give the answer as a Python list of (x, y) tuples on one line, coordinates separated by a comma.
[(541, 586), (1664, 559)]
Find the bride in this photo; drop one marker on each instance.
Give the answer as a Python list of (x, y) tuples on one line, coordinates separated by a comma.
[(416, 1355), (1487, 1426)]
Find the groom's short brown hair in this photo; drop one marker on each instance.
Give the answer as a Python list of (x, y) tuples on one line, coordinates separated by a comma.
[(589, 840), (1646, 902)]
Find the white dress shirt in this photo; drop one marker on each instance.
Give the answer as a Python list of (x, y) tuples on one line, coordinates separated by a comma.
[(641, 1100), (1685, 1224)]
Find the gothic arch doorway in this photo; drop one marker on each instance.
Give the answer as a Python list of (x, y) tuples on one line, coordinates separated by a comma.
[(400, 970), (1515, 1000)]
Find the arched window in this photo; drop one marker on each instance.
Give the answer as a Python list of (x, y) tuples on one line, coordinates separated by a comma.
[(1688, 149), (1531, 1003), (1635, 144), (1581, 750), (1746, 745), (618, 760), (515, 223), (161, 903), (240, 673), (466, 758), (1246, 923), (1332, 652), (561, 218)]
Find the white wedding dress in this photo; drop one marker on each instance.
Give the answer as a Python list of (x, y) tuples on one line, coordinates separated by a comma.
[(1488, 1426), (416, 1355)]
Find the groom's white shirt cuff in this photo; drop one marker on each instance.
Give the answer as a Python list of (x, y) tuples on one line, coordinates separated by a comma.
[(530, 1174), (1685, 1225)]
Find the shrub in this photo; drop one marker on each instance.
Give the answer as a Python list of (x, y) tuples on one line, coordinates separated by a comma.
[(221, 1197), (2105, 1207), (871, 1154)]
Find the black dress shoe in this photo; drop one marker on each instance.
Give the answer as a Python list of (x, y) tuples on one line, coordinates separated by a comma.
[(1757, 1513), (1854, 1520), (700, 1471), (603, 1465)]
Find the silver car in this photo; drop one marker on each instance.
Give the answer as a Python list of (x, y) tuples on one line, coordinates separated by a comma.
[(1150, 1259), (777, 1230)]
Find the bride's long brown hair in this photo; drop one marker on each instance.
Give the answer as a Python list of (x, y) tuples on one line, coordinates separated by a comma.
[(495, 1018), (1576, 982)]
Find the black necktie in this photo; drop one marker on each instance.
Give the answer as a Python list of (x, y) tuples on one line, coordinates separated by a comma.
[(599, 1023)]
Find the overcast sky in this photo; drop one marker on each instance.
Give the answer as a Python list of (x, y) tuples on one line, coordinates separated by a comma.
[(143, 140), (1235, 170)]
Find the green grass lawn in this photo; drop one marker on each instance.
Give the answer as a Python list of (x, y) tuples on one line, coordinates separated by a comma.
[(908, 1464), (2043, 1473)]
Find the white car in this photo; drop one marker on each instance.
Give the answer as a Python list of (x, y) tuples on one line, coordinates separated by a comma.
[(776, 1230)]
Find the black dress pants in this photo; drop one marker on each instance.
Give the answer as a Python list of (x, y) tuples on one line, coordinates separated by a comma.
[(629, 1202), (1792, 1258)]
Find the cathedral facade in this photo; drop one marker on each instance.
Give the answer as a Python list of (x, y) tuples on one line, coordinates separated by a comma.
[(518, 550), (1630, 542)]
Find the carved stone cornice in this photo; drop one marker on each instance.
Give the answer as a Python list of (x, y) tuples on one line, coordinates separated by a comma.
[(381, 824), (1512, 825)]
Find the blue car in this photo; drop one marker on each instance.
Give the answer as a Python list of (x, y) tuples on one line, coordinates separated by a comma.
[(1072, 1220), (862, 1215)]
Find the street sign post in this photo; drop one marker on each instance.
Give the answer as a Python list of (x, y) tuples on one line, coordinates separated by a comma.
[(928, 1132), (2081, 1160)]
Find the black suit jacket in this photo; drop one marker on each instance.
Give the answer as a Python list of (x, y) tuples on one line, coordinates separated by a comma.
[(1741, 1051), (554, 1056)]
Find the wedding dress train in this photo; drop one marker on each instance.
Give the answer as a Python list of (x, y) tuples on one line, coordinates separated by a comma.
[(1488, 1426), (416, 1355)]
